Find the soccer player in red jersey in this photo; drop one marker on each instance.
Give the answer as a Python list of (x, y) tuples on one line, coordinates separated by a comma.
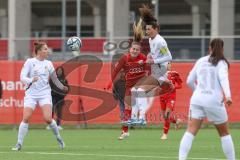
[(135, 68), (168, 102)]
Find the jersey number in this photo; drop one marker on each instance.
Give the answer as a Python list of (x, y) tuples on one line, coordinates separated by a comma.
[(207, 81)]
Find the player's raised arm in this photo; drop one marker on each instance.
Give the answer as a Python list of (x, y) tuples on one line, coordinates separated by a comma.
[(55, 79)]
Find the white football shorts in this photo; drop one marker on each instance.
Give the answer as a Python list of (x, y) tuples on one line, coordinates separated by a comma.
[(159, 72), (216, 114), (31, 102)]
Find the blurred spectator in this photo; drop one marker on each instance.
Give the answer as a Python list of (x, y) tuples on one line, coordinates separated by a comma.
[(119, 92), (58, 96)]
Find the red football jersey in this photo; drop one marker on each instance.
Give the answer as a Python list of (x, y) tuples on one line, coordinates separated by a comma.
[(176, 80), (134, 68)]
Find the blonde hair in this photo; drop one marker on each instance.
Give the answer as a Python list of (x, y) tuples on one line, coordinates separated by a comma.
[(137, 32)]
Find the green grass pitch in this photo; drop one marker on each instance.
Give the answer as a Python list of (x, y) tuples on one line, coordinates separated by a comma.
[(102, 144)]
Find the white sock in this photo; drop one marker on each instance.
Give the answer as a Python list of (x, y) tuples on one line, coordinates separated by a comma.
[(142, 102), (134, 114), (134, 103), (54, 128), (22, 132), (228, 147), (185, 145)]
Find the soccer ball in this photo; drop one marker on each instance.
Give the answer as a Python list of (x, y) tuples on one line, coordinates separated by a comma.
[(74, 43)]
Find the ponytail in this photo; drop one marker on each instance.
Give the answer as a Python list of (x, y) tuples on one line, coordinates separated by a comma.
[(147, 16), (137, 32), (217, 52)]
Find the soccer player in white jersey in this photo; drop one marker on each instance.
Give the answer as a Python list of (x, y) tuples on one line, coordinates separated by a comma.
[(158, 58), (35, 74), (209, 80)]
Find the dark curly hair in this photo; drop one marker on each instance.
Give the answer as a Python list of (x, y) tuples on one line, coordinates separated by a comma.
[(147, 16)]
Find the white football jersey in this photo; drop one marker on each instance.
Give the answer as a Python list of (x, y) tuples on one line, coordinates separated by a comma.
[(43, 70), (160, 54), (209, 82)]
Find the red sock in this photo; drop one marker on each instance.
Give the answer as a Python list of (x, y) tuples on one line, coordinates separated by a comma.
[(166, 126), (127, 116), (124, 128)]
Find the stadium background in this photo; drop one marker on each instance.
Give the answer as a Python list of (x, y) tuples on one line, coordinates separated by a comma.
[(105, 29)]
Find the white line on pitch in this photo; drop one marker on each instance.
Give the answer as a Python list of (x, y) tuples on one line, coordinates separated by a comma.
[(108, 155), (76, 146)]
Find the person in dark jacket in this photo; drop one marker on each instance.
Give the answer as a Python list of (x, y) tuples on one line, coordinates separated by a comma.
[(58, 96), (119, 92)]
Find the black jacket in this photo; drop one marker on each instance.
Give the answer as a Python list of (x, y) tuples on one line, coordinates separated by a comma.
[(56, 92)]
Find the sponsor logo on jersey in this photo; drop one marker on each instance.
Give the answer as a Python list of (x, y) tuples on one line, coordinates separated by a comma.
[(136, 70), (46, 69)]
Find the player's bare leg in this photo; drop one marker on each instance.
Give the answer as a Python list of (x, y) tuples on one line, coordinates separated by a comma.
[(47, 116)]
